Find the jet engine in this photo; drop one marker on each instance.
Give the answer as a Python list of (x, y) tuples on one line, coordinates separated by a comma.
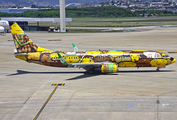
[(1, 29), (109, 68)]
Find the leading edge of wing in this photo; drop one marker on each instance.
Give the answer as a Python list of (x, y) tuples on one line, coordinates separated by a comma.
[(86, 64)]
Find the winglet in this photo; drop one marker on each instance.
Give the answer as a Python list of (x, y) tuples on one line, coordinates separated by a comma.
[(75, 48), (62, 60)]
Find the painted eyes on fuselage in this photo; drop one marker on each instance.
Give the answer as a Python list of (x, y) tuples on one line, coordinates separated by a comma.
[(165, 56)]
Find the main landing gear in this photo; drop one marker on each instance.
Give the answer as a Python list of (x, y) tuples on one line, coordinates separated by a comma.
[(92, 69)]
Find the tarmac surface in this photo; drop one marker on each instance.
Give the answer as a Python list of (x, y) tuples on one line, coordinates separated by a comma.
[(130, 94)]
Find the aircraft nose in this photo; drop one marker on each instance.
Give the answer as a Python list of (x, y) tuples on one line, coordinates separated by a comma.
[(173, 60)]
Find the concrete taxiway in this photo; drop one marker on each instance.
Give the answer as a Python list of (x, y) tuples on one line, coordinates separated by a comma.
[(130, 94)]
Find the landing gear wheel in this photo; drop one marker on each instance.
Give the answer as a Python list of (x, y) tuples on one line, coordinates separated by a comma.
[(157, 70), (92, 69)]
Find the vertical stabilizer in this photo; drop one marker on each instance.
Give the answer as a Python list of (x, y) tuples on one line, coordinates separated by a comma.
[(22, 42)]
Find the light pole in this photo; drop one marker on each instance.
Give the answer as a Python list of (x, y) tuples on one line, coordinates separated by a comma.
[(62, 16)]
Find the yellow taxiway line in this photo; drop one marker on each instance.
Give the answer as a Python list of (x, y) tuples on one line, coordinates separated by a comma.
[(56, 86)]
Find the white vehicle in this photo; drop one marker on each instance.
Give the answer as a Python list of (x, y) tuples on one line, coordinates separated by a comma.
[(56, 30)]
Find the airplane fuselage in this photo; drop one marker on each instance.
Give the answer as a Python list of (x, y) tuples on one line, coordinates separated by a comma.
[(121, 58)]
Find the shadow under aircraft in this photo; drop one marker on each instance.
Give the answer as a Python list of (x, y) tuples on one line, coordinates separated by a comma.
[(85, 74)]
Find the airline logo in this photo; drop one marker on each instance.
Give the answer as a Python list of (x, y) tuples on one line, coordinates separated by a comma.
[(62, 60), (75, 48)]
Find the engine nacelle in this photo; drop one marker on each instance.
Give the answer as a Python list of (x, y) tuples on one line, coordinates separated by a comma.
[(109, 68), (1, 29)]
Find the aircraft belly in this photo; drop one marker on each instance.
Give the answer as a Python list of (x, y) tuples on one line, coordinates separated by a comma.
[(21, 57), (127, 64), (144, 62), (54, 64), (35, 61), (143, 65), (57, 64)]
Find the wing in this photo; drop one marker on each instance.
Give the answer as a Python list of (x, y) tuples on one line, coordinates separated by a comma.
[(75, 48), (86, 64)]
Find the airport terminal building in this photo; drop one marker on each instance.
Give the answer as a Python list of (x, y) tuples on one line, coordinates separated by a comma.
[(23, 22)]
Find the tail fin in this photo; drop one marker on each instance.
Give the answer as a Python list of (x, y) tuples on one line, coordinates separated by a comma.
[(22, 42)]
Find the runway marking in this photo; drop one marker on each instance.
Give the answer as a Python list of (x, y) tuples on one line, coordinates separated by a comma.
[(1, 102), (161, 50), (34, 94), (175, 51), (56, 86), (130, 105), (29, 99), (55, 40), (51, 76)]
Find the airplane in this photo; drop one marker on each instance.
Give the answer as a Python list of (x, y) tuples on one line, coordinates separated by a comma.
[(4, 26), (108, 61)]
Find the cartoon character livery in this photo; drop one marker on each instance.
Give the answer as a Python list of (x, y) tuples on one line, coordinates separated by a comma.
[(107, 61)]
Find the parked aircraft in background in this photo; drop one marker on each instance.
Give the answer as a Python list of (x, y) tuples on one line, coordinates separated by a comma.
[(107, 61), (4, 26)]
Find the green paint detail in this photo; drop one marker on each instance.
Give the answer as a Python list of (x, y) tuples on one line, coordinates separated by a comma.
[(75, 48), (62, 60), (19, 40), (110, 68), (82, 57)]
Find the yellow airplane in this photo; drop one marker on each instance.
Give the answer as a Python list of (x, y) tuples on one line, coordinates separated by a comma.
[(107, 61)]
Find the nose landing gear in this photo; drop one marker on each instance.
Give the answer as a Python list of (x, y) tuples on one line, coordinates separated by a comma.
[(157, 69)]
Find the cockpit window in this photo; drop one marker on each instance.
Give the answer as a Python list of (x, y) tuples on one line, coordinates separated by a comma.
[(165, 55)]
